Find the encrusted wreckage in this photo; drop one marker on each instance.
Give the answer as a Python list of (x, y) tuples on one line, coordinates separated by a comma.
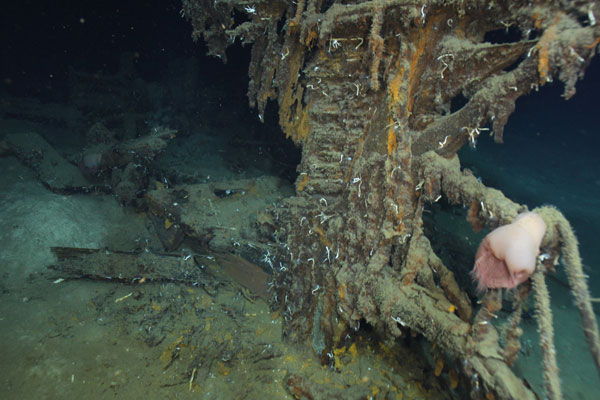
[(371, 91)]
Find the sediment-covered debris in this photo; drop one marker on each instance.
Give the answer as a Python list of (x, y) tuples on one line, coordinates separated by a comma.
[(129, 267), (221, 216), (52, 169)]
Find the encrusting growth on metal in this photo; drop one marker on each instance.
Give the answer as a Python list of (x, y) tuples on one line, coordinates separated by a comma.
[(379, 138)]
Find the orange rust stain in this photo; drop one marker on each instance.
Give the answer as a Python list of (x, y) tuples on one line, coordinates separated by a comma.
[(473, 217), (293, 116), (311, 39), (303, 125), (537, 20), (413, 76), (543, 65), (439, 366), (322, 237), (594, 43), (461, 28), (394, 87), (429, 187), (400, 227), (303, 183), (453, 375), (342, 291), (544, 50), (392, 143)]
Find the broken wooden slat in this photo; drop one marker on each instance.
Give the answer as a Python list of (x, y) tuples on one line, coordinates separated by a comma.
[(127, 266)]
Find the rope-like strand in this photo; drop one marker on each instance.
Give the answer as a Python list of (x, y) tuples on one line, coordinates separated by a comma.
[(543, 315), (576, 276)]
